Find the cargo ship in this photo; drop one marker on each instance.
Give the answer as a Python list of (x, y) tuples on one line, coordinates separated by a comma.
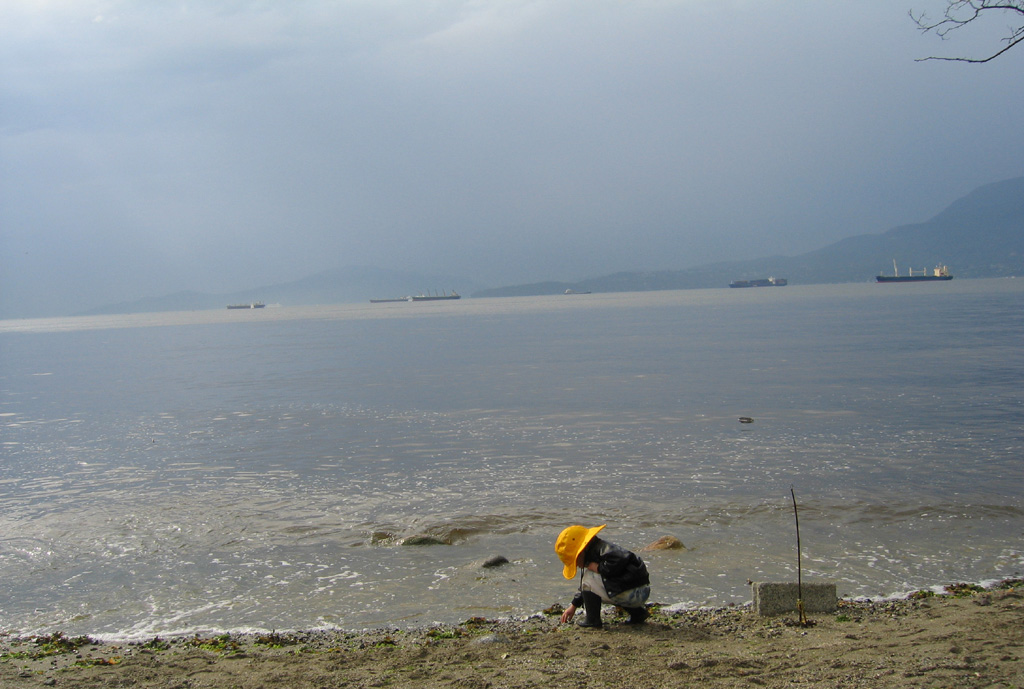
[(936, 273), (763, 282), (250, 305), (435, 297)]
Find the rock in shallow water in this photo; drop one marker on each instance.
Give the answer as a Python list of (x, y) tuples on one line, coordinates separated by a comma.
[(666, 543), (423, 540)]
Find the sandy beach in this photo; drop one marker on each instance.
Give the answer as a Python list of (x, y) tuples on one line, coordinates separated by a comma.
[(963, 638)]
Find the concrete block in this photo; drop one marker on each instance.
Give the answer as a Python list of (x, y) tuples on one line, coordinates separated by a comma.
[(777, 598)]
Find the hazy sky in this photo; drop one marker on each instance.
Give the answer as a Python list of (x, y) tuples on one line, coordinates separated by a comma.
[(148, 147)]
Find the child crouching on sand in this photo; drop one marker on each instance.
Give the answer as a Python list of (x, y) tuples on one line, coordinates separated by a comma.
[(610, 574)]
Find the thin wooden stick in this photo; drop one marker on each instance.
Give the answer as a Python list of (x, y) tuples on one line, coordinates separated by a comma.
[(799, 568)]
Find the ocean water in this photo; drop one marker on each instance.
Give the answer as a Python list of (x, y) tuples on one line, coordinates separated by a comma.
[(257, 470)]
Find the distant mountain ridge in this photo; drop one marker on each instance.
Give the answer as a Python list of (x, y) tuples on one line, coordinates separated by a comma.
[(980, 235)]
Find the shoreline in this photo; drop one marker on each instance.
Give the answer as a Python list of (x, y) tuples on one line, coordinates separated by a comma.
[(968, 636)]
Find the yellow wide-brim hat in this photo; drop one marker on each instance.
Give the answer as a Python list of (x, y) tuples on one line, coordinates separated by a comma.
[(571, 543)]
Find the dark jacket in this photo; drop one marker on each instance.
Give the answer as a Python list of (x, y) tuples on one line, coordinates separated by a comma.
[(620, 569)]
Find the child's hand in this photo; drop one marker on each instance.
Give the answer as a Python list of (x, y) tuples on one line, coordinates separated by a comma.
[(569, 612)]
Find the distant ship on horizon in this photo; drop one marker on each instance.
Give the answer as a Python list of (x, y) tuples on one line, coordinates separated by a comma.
[(420, 297), (436, 297), (250, 305), (763, 282), (936, 273)]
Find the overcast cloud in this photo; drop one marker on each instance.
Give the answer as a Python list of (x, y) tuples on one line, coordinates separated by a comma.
[(152, 147)]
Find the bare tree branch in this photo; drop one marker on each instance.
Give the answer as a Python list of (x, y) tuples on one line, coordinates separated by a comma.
[(960, 13)]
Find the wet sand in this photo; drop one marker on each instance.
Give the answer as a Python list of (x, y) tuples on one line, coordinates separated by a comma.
[(971, 639)]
